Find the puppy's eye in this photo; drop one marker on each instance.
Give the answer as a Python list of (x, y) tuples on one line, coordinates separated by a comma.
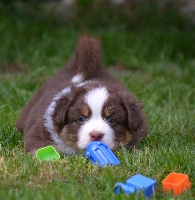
[(82, 119), (111, 120)]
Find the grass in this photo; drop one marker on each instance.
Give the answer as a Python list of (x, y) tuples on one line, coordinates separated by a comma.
[(155, 63)]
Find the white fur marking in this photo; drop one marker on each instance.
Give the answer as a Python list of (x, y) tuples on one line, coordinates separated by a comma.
[(48, 123), (96, 99), (77, 79)]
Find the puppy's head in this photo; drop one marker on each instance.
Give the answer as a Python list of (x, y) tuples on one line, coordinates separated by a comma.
[(95, 113)]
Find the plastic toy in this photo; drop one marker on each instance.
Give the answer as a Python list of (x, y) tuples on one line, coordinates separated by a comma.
[(126, 189), (176, 182), (100, 154), (47, 153), (137, 183)]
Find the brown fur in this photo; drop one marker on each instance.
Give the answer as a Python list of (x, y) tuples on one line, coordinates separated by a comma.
[(131, 122)]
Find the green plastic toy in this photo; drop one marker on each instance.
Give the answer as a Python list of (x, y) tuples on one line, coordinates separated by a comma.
[(47, 153)]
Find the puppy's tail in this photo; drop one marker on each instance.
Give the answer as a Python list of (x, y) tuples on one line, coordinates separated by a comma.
[(88, 57)]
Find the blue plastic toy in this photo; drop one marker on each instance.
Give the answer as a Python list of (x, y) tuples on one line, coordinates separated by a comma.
[(137, 183), (126, 189), (100, 154)]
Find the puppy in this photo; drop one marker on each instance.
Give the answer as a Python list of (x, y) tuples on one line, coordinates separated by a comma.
[(80, 104)]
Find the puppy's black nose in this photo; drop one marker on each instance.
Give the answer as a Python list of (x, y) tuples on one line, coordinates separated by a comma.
[(96, 136)]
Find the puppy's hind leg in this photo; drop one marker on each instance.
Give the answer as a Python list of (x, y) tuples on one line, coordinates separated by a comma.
[(34, 142)]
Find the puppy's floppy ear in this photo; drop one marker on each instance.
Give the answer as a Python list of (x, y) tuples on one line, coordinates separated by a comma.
[(134, 111), (60, 111), (62, 106)]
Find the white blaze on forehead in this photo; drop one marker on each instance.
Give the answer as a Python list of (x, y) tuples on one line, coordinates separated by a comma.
[(96, 99)]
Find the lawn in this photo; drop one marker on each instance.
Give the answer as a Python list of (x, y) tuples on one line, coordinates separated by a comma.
[(156, 63)]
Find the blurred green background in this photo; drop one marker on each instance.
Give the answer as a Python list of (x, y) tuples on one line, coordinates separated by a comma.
[(153, 30)]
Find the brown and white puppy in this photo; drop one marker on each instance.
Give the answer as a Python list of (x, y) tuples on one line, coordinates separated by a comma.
[(82, 103)]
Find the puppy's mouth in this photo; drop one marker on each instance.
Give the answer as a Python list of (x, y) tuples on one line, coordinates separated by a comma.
[(117, 143)]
